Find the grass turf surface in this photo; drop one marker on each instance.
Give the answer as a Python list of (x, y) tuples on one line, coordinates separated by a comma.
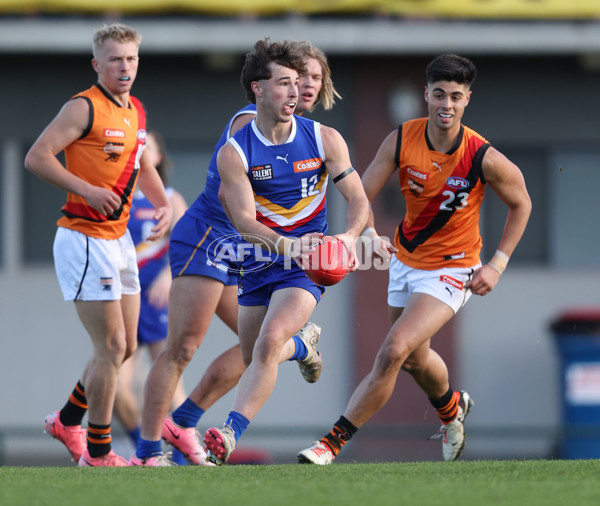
[(464, 483)]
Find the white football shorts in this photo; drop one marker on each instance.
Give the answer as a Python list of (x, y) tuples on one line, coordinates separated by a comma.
[(446, 285), (95, 269)]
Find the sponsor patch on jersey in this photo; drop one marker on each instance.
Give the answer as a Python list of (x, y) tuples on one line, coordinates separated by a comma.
[(310, 164), (262, 172), (106, 284), (417, 174), (113, 133), (415, 188), (114, 150), (458, 183), (451, 281)]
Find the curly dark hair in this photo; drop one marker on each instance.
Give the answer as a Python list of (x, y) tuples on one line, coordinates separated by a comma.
[(256, 66)]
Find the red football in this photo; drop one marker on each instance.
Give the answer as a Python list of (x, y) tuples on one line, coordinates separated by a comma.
[(328, 263)]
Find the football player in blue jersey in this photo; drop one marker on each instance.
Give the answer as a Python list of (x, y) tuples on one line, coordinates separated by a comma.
[(201, 289), (275, 172)]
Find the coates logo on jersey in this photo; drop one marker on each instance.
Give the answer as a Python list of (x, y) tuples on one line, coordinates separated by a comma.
[(113, 133), (417, 174), (458, 183), (141, 135), (451, 281), (304, 165)]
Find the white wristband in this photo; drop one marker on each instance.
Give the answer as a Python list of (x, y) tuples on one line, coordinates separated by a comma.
[(285, 247), (369, 232), (502, 255), (499, 261)]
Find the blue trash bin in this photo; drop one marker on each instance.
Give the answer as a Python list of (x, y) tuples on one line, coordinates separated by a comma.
[(577, 334)]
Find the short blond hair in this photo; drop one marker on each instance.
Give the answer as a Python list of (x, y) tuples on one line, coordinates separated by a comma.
[(328, 93), (120, 33)]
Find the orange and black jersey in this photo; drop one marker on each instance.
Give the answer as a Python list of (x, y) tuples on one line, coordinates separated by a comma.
[(106, 155), (443, 193)]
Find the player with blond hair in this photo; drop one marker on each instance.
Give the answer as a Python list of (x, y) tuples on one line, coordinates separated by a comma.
[(102, 132)]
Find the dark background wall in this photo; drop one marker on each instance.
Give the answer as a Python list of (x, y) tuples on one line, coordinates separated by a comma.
[(540, 111)]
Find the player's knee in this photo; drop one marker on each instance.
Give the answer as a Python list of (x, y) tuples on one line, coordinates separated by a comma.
[(411, 366), (391, 357), (183, 353), (115, 349), (267, 348)]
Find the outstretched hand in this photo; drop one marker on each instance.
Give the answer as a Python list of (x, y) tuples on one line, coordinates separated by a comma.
[(383, 249), (163, 215)]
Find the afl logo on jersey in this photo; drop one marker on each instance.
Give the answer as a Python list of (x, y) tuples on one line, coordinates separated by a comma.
[(458, 183), (141, 135)]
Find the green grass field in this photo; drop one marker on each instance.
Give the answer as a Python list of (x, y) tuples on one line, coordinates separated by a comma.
[(464, 483)]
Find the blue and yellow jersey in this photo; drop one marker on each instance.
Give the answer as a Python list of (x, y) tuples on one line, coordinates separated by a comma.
[(207, 207), (289, 180)]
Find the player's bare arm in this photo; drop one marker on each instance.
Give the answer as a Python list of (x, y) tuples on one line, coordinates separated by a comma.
[(505, 178), (179, 206), (68, 126), (381, 168), (239, 199), (239, 122), (223, 201), (347, 182), (152, 187), (374, 179)]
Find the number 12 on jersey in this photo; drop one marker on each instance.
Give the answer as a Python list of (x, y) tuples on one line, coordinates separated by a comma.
[(308, 186)]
